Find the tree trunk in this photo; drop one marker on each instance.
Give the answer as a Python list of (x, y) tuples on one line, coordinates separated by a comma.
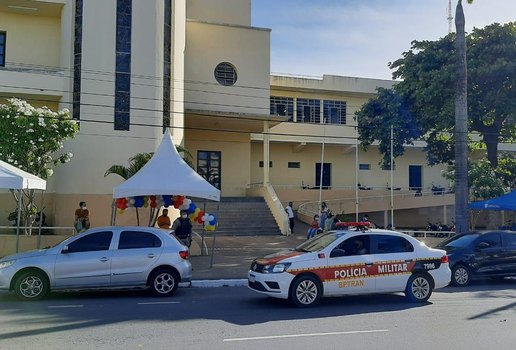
[(461, 126)]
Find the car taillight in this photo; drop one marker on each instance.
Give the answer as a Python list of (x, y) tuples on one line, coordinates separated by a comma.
[(184, 254), (444, 259)]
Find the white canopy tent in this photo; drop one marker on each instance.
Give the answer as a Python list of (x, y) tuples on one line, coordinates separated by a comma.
[(166, 173), (16, 179)]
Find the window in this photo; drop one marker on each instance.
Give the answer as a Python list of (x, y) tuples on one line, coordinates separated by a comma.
[(364, 167), (308, 110), (260, 164), (3, 37), (294, 165), (138, 239), (91, 243), (334, 112), (225, 74), (392, 244), (282, 106), (511, 239), (358, 245), (493, 239), (209, 166)]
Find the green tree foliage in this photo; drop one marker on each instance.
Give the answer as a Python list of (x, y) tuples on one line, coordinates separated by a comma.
[(486, 182), (427, 94), (32, 138)]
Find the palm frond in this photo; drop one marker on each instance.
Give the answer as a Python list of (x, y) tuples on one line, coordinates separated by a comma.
[(119, 170)]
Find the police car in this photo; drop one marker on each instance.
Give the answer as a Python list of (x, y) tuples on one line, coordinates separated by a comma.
[(351, 261)]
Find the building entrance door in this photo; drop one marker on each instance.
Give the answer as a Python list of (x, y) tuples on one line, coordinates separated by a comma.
[(415, 177)]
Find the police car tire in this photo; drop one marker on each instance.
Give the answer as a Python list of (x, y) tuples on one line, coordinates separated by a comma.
[(305, 291), (460, 276), (419, 288)]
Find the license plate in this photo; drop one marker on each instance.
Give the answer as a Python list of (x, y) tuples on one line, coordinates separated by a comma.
[(252, 278)]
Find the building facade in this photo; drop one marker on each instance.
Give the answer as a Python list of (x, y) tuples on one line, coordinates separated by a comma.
[(128, 69)]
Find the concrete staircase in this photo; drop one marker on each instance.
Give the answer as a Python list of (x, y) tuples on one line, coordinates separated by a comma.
[(241, 216)]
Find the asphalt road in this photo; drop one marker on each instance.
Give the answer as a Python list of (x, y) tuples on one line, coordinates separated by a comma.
[(481, 316)]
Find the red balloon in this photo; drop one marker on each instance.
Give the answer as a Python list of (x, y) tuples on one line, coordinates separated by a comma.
[(152, 198), (153, 204)]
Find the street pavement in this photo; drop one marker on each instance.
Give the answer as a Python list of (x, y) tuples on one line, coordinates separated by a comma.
[(229, 257)]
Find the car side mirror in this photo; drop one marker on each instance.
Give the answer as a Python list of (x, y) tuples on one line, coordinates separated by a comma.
[(65, 250), (483, 245), (335, 253)]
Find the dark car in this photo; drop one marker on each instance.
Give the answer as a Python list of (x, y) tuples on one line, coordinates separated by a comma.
[(481, 254)]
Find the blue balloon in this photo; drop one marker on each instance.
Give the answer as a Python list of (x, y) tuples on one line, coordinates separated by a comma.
[(214, 221), (167, 200), (191, 208)]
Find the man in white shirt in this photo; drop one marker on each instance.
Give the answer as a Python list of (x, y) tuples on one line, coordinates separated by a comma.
[(290, 213)]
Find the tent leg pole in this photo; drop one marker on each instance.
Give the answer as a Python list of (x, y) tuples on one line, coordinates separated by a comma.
[(203, 231), (213, 243), (113, 213), (18, 221), (41, 218)]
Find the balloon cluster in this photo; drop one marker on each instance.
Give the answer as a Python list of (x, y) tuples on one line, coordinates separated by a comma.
[(195, 214)]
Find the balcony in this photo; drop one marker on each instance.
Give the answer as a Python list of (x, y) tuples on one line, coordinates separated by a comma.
[(46, 8), (33, 80)]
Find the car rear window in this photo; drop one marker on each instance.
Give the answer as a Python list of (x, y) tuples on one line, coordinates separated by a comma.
[(459, 241), (138, 239), (386, 244)]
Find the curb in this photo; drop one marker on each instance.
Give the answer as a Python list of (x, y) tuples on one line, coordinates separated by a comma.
[(215, 283)]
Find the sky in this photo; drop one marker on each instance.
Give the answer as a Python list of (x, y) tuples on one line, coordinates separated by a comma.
[(359, 38)]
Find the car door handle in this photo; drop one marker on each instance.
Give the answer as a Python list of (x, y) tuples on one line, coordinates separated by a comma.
[(150, 256), (104, 259)]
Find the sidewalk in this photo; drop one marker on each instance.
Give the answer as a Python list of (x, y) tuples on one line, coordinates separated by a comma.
[(233, 256)]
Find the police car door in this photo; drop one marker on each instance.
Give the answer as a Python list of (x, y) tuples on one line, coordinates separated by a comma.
[(350, 264), (394, 261)]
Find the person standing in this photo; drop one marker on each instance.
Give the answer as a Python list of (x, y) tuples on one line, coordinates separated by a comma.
[(183, 228), (324, 214), (82, 218), (314, 227), (290, 213), (164, 220)]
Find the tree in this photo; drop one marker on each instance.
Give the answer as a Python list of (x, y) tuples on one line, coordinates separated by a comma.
[(427, 93), (32, 139)]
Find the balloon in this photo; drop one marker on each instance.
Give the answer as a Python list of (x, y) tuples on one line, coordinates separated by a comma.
[(167, 200), (132, 201), (209, 228), (153, 204), (183, 207), (121, 211), (146, 204), (152, 198), (213, 222), (199, 220), (191, 208), (206, 217), (211, 218)]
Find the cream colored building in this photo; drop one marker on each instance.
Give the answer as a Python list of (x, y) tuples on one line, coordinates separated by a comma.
[(127, 69)]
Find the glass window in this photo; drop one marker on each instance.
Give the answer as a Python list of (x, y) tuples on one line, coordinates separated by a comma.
[(334, 112), (364, 166), (2, 48), (225, 74), (209, 166), (283, 106), (138, 239), (93, 242), (260, 164), (358, 245), (294, 165), (511, 239), (493, 239), (392, 244), (308, 110)]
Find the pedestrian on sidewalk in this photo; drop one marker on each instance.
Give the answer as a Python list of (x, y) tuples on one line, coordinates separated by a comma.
[(164, 220), (314, 227), (324, 214), (290, 213), (183, 228), (82, 218)]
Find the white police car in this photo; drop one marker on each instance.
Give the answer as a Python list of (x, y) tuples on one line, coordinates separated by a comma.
[(347, 262)]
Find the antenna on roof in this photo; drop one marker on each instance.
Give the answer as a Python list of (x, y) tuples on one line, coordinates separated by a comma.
[(450, 18)]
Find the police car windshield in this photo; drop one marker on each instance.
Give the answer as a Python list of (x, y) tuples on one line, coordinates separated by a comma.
[(319, 242)]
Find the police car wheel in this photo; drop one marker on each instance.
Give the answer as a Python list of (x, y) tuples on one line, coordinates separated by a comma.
[(460, 276), (305, 291), (419, 288)]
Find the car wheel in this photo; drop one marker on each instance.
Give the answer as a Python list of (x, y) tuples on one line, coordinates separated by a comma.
[(460, 276), (419, 288), (305, 291), (32, 285), (164, 283)]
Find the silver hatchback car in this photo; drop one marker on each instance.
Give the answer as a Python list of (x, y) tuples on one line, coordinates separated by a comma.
[(100, 258)]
